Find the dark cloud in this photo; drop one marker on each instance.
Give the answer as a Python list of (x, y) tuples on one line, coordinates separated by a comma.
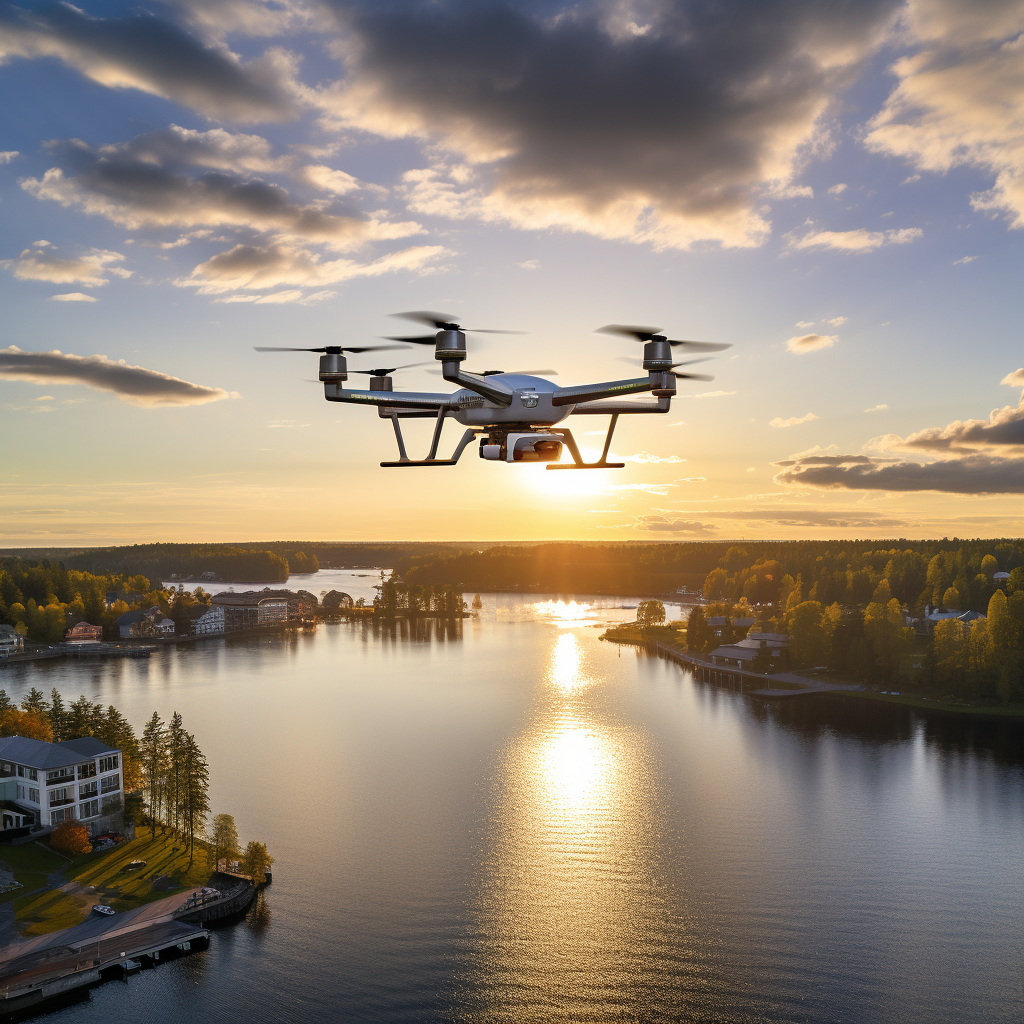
[(132, 383), (661, 524), (972, 474), (660, 121), (137, 191), (806, 517), (149, 53)]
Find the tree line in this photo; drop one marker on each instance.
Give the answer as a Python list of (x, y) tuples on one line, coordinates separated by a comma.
[(398, 598)]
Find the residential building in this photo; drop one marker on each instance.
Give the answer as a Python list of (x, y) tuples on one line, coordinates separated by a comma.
[(83, 632), (745, 651), (211, 621), (252, 608), (11, 642), (151, 622), (44, 784)]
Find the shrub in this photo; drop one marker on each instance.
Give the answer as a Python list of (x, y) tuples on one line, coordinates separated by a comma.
[(71, 837)]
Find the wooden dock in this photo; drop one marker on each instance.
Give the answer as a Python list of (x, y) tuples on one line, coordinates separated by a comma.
[(51, 965)]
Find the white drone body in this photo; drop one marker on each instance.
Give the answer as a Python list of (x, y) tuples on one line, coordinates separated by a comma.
[(513, 414)]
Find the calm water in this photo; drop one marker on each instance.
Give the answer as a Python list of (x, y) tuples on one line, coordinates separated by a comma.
[(516, 822)]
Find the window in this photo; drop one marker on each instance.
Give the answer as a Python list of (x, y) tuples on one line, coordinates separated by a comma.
[(33, 795), (64, 795), (110, 784), (21, 772), (90, 809), (87, 771), (33, 774), (89, 789), (108, 764), (112, 804), (21, 793), (64, 814), (57, 777)]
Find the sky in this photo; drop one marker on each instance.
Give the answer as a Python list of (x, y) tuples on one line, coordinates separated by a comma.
[(836, 190)]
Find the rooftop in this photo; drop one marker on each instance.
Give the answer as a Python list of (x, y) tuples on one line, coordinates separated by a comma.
[(38, 754)]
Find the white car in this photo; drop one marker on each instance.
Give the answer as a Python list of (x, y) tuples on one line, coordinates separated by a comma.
[(103, 911)]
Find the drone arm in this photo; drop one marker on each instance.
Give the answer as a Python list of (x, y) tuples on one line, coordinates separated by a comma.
[(592, 392), (492, 390), (663, 404), (392, 399)]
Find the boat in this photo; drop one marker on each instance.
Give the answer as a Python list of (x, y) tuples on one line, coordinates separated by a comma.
[(102, 910), (131, 966)]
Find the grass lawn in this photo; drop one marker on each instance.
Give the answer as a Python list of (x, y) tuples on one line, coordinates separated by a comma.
[(31, 863), (119, 888)]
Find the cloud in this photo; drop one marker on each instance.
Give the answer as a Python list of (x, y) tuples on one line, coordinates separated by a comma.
[(647, 457), (710, 394), (529, 265), (811, 342), (132, 383), (1015, 379), (43, 264), (74, 297), (7, 155), (837, 321), (140, 51), (836, 189), (859, 240), (662, 524), (964, 259), (802, 516), (134, 190), (804, 323), (959, 100), (252, 267), (973, 474), (792, 421), (877, 408), (666, 124)]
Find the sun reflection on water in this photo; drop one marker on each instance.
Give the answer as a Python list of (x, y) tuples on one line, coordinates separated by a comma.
[(568, 613)]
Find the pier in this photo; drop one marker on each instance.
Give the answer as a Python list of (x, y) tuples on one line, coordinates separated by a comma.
[(51, 965)]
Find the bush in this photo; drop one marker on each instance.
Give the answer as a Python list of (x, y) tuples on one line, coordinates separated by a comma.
[(71, 838)]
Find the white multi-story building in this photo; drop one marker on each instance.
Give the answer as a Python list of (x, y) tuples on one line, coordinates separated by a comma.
[(47, 783), (211, 621)]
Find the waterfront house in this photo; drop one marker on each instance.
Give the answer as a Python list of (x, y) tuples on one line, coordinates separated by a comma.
[(151, 622), (83, 632), (11, 641), (743, 653), (211, 621), (46, 783)]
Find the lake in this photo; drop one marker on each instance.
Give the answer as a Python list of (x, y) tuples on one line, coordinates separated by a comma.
[(510, 820)]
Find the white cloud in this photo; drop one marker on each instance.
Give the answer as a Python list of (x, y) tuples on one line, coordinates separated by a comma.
[(74, 297), (248, 267), (710, 394), (837, 321), (964, 259), (7, 155), (836, 189), (804, 323), (858, 240), (647, 457), (1015, 379), (43, 264), (811, 342), (877, 408), (793, 421), (529, 264)]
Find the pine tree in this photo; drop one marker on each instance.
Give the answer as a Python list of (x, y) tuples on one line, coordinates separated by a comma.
[(35, 703), (176, 757), (154, 765), (58, 716), (195, 791)]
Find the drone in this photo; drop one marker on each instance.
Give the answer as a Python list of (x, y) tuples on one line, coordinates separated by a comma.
[(515, 415)]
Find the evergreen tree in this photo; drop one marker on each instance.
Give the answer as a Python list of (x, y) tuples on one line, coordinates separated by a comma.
[(224, 839), (195, 793), (175, 771), (58, 716), (35, 703), (154, 766)]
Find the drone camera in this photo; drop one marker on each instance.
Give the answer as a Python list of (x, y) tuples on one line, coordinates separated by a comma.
[(533, 448)]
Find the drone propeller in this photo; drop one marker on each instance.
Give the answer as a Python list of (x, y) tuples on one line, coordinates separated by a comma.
[(386, 371), (693, 376), (654, 333), (523, 373), (335, 350), (440, 322)]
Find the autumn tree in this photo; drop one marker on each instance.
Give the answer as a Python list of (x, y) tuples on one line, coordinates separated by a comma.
[(256, 862), (71, 838), (808, 635), (887, 637), (650, 613), (699, 635), (224, 839)]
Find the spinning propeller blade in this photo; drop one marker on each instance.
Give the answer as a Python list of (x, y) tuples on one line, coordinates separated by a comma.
[(693, 376), (443, 322), (651, 333), (385, 371), (335, 349)]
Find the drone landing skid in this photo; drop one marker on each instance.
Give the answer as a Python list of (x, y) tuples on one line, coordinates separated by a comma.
[(431, 459), (577, 459)]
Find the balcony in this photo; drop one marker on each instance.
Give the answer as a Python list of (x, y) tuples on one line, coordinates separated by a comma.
[(61, 780), (61, 802), (86, 771)]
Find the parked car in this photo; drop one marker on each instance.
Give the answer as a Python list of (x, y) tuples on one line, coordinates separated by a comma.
[(103, 911)]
